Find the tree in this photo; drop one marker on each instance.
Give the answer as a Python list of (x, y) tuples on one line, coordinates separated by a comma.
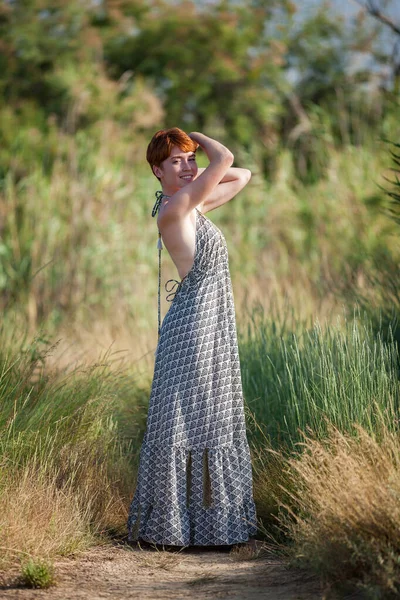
[(218, 68), (378, 10)]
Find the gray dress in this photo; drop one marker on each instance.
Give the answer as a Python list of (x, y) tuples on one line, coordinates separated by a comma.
[(194, 482)]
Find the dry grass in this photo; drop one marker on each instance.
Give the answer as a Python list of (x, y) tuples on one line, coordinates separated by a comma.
[(344, 512), (158, 559), (47, 512), (66, 465), (249, 551), (38, 520)]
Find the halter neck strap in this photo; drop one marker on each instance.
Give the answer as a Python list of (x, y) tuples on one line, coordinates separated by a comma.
[(159, 196)]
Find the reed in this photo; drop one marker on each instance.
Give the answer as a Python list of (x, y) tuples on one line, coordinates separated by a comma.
[(297, 377), (323, 406), (78, 243)]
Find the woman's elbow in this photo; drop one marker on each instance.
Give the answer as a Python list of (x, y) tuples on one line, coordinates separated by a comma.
[(246, 176), (229, 157)]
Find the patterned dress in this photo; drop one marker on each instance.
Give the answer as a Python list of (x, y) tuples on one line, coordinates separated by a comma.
[(195, 482)]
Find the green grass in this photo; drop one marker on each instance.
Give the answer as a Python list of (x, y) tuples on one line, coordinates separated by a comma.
[(297, 378), (37, 574), (323, 416)]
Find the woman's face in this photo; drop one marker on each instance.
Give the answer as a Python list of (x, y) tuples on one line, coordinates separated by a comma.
[(176, 171)]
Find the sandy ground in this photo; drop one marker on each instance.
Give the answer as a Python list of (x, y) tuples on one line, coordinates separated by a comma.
[(123, 572)]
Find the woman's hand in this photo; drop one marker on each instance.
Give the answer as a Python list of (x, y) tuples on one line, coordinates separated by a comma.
[(193, 137), (183, 201), (214, 150)]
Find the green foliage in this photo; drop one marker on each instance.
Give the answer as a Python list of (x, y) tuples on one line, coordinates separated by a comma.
[(53, 67), (226, 55), (258, 78), (380, 298), (394, 191), (35, 38), (37, 574)]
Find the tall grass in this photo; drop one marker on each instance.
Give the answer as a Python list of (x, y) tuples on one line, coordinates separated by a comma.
[(344, 512), (323, 426), (323, 406), (78, 243), (68, 449), (297, 377)]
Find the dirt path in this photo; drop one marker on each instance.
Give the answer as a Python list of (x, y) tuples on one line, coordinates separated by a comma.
[(120, 572)]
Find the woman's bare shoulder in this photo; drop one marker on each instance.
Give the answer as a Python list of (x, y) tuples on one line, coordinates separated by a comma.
[(172, 220)]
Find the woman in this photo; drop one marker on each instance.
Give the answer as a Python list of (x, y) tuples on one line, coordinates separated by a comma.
[(194, 481)]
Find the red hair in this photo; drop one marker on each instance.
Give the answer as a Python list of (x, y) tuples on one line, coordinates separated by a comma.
[(161, 145)]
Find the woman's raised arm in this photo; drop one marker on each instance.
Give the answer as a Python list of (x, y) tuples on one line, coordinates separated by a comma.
[(198, 190)]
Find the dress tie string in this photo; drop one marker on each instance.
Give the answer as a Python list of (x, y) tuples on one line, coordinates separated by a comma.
[(174, 288)]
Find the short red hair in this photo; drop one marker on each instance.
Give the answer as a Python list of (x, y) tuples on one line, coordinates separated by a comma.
[(161, 144)]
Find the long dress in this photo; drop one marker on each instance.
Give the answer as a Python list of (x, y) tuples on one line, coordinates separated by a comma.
[(194, 483)]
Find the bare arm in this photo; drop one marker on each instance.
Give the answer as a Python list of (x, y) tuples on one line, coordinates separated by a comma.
[(198, 190), (231, 184)]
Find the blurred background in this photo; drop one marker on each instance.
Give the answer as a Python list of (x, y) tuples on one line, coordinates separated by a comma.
[(303, 93), (307, 95)]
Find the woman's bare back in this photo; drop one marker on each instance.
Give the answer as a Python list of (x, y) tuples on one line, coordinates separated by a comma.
[(179, 238)]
